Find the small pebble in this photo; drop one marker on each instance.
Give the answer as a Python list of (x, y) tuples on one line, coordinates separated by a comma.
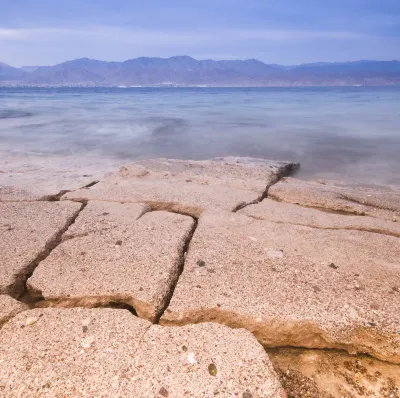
[(201, 263), (212, 369), (163, 392)]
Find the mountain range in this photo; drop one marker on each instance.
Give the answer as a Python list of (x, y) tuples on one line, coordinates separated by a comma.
[(187, 71)]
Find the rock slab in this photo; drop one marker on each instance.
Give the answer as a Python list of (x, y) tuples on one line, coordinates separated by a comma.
[(28, 230), (105, 259), (187, 186), (9, 307), (110, 353), (293, 285)]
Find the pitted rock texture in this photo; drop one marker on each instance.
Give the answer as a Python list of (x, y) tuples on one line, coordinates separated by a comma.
[(293, 285), (101, 217), (189, 187), (34, 177), (288, 213), (380, 202), (9, 307), (136, 262), (27, 232), (330, 374), (110, 353)]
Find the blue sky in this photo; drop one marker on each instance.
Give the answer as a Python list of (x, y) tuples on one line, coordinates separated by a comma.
[(46, 32)]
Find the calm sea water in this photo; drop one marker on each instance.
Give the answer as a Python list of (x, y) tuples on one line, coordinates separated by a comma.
[(348, 133)]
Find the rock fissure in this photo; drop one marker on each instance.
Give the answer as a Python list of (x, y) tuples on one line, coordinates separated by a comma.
[(21, 291), (289, 170), (371, 230), (183, 256), (275, 333)]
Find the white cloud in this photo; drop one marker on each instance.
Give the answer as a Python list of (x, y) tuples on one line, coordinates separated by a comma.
[(110, 33)]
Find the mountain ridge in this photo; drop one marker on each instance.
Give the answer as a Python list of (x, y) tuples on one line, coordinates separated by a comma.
[(187, 71)]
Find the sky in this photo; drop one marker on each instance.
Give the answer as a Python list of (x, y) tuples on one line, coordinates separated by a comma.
[(47, 32)]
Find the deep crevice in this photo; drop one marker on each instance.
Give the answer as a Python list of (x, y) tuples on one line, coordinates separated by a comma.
[(56, 197), (91, 184), (91, 302), (20, 290), (182, 261), (288, 170)]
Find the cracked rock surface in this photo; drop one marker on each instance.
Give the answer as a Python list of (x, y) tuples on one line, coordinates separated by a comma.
[(288, 213), (226, 251), (104, 353), (293, 285), (379, 202), (9, 307), (27, 232), (34, 177), (189, 186), (136, 262)]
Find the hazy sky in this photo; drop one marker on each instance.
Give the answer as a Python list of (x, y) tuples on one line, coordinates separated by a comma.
[(37, 32)]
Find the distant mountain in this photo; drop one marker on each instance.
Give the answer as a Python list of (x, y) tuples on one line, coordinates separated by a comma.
[(29, 68), (8, 73), (184, 71)]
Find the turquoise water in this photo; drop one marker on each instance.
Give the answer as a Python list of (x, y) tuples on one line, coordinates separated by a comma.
[(342, 133)]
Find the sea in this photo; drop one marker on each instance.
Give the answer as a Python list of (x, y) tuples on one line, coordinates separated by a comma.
[(341, 133)]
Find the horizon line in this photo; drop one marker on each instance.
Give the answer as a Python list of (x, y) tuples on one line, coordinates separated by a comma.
[(202, 60)]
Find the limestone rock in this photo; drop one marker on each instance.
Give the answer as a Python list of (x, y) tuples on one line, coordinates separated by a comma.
[(9, 307), (27, 232), (326, 288), (189, 186), (110, 353), (328, 374), (282, 212), (32, 177), (380, 202), (100, 217), (136, 262)]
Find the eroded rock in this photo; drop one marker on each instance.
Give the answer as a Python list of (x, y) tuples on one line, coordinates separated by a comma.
[(328, 374), (295, 298), (100, 217), (136, 262), (34, 177), (122, 355), (9, 307), (189, 187), (282, 212), (27, 232), (380, 202)]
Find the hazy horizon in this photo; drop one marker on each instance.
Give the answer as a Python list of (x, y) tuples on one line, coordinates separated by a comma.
[(209, 59), (48, 33)]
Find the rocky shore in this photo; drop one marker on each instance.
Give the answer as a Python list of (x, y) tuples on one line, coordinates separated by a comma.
[(171, 278)]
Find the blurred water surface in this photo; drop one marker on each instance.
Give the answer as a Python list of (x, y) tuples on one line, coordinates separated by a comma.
[(348, 133)]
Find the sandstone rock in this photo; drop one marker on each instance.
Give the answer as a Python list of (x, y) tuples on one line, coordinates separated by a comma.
[(377, 202), (27, 232), (323, 374), (189, 186), (135, 262), (100, 217), (282, 212), (9, 307), (121, 355), (31, 177), (328, 289)]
